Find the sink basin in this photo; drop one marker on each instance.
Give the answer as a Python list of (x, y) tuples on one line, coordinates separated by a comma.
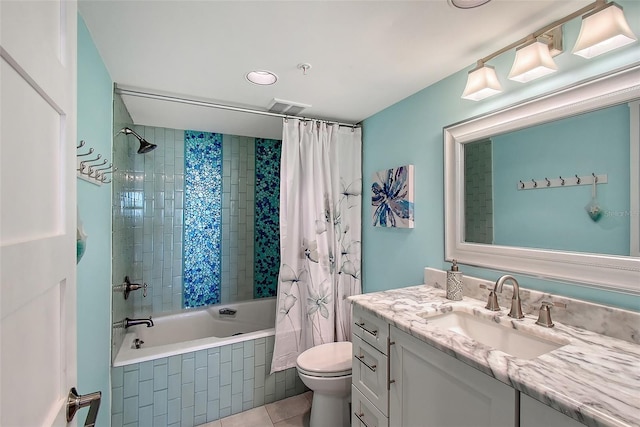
[(498, 336)]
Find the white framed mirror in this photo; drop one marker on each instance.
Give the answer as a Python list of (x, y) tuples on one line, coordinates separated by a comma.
[(601, 262)]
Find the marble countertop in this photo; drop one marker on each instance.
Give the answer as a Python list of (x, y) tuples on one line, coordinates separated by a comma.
[(594, 378)]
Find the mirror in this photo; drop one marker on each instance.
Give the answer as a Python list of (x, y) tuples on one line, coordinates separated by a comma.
[(505, 210)]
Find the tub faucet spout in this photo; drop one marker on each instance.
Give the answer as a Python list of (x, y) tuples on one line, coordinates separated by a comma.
[(132, 322)]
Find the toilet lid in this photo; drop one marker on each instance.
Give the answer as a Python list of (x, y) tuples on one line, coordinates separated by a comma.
[(326, 360)]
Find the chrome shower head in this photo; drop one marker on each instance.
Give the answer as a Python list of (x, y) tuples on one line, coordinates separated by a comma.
[(145, 146)]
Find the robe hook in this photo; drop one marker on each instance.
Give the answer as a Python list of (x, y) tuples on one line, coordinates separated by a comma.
[(91, 168), (85, 154), (561, 180), (595, 178), (535, 184), (578, 178)]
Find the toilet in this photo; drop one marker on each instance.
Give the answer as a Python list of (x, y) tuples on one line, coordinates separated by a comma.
[(326, 370)]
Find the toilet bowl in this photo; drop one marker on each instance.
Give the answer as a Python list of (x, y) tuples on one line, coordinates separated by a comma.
[(326, 370)]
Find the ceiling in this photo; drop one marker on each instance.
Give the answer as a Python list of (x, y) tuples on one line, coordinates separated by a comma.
[(365, 55)]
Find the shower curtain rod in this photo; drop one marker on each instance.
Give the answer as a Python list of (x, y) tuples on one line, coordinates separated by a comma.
[(181, 100)]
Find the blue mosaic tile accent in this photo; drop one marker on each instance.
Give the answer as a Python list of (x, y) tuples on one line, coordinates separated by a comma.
[(267, 217), (202, 218)]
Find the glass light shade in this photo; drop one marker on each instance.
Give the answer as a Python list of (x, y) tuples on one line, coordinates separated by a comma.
[(533, 61), (602, 31), (482, 83)]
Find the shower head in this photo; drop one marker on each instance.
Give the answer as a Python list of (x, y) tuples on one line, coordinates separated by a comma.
[(145, 146)]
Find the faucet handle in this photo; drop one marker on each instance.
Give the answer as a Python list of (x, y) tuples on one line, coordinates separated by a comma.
[(492, 302), (544, 316)]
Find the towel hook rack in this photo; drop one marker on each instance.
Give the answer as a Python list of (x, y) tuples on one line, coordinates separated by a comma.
[(88, 170)]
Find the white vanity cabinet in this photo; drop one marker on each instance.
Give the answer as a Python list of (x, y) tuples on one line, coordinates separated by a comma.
[(370, 371), (431, 388), (536, 414)]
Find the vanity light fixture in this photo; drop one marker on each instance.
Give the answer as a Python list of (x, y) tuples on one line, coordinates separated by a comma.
[(604, 28), (482, 83), (533, 60), (262, 77)]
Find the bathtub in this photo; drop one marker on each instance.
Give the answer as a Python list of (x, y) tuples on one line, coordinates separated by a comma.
[(198, 329)]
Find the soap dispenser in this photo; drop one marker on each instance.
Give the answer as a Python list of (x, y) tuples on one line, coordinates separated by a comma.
[(454, 283)]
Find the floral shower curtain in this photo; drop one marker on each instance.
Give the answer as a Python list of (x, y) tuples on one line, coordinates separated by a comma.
[(320, 231)]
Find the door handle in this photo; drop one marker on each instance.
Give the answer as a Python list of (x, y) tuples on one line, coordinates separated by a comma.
[(76, 401)]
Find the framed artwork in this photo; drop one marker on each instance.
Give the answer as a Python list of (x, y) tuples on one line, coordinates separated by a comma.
[(392, 197)]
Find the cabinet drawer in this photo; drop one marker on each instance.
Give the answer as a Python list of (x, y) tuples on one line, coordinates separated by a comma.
[(365, 414), (370, 374), (370, 329)]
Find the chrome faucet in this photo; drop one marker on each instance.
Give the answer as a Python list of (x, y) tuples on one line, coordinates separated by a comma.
[(132, 322), (516, 306)]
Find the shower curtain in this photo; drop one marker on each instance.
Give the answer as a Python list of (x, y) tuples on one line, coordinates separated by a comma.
[(320, 231)]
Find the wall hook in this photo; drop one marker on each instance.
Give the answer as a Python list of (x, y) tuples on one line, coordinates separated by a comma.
[(521, 184), (82, 163), (561, 180), (578, 178), (81, 144), (85, 154), (91, 168), (595, 178), (98, 171), (535, 184), (548, 182)]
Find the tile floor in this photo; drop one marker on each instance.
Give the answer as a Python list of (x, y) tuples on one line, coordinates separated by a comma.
[(291, 412)]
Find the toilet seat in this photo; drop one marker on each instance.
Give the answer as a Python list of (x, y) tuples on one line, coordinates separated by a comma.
[(326, 360)]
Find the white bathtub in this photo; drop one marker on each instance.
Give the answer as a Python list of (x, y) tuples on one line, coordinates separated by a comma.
[(198, 329)]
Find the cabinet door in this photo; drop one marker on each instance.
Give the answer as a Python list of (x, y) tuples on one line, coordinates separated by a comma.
[(431, 388), (536, 414), (369, 374)]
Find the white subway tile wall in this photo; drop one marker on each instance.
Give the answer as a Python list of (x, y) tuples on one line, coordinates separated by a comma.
[(158, 178), (124, 200)]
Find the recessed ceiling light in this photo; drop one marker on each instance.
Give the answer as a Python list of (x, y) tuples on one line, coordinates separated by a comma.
[(468, 4), (262, 77)]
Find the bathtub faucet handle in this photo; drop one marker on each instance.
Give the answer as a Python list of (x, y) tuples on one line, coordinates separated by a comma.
[(127, 287)]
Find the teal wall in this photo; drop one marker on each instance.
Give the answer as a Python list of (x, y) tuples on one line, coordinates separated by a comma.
[(94, 204), (596, 142), (411, 132)]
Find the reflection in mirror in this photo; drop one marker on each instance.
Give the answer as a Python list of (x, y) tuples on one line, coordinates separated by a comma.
[(505, 205), (498, 211)]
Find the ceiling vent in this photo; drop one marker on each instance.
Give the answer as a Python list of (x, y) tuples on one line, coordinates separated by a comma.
[(280, 106)]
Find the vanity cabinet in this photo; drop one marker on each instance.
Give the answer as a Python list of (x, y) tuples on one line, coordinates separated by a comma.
[(536, 414), (431, 388), (370, 371)]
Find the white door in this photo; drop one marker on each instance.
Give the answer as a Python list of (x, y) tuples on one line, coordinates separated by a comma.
[(38, 210)]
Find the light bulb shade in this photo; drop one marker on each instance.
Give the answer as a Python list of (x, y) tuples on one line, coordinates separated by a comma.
[(533, 60), (602, 31), (482, 83)]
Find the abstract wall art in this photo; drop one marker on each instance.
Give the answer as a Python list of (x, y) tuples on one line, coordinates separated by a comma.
[(392, 197)]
